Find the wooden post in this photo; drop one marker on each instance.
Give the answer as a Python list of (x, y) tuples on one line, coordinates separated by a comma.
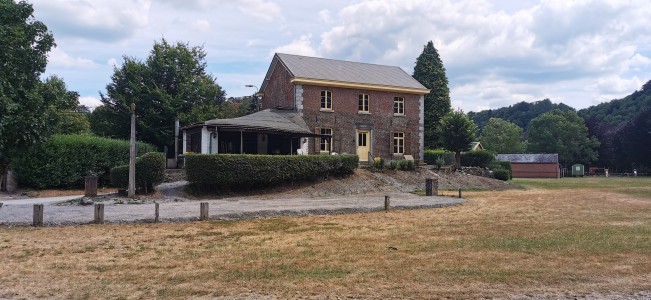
[(459, 193), (90, 185), (203, 213), (132, 154), (38, 214), (157, 215), (99, 213), (428, 187), (387, 203)]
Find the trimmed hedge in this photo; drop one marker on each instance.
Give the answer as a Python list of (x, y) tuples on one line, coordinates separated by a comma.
[(210, 172), (481, 159), (64, 160), (502, 174), (430, 156), (150, 171)]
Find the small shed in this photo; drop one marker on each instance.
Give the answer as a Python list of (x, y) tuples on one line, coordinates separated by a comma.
[(578, 170), (532, 165)]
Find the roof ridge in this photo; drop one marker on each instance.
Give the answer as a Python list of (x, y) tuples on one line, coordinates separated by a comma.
[(341, 60)]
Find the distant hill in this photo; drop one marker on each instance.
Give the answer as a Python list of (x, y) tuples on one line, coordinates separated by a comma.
[(616, 112), (519, 113)]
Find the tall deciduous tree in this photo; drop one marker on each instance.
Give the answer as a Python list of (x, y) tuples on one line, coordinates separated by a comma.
[(502, 136), (24, 115), (429, 71), (172, 83), (565, 133), (70, 117), (457, 132)]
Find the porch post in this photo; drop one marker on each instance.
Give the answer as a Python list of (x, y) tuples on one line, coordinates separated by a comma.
[(241, 142)]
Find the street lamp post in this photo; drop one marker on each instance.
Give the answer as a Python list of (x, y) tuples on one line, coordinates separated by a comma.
[(255, 96)]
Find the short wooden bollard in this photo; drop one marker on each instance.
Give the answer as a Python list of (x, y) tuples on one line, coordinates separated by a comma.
[(387, 203), (99, 213), (431, 187), (38, 214), (203, 214), (157, 211), (91, 186), (459, 193)]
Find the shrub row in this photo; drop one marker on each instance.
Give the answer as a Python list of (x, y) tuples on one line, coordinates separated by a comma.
[(430, 156), (64, 160), (211, 172), (502, 170), (481, 159), (150, 171)]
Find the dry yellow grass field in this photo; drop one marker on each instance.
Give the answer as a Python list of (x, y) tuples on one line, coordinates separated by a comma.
[(553, 239)]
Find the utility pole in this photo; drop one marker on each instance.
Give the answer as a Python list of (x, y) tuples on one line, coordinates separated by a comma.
[(132, 158)]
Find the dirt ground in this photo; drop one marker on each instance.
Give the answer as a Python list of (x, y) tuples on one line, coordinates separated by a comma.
[(363, 181), (566, 243)]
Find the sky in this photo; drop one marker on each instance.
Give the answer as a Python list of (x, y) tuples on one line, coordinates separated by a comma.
[(496, 53)]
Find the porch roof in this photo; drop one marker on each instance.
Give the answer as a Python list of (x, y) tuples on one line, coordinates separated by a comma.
[(268, 120)]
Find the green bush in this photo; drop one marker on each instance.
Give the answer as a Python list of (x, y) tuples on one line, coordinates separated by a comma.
[(378, 162), (150, 171), (507, 166), (481, 159), (64, 160), (406, 165), (211, 172), (501, 174), (430, 156), (393, 165)]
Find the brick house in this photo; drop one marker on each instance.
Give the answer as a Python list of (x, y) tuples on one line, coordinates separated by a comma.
[(319, 106), (532, 165), (365, 109)]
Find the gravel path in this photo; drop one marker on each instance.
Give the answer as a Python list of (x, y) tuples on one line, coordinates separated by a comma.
[(228, 208)]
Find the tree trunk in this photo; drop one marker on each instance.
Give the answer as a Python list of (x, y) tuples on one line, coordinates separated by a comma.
[(457, 157)]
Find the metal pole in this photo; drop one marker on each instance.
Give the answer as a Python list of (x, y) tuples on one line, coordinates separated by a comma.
[(132, 157)]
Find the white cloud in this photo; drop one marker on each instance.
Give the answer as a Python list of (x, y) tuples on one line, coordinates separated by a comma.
[(202, 25), (301, 46), (615, 86), (112, 62), (324, 16), (262, 10), (92, 19), (58, 58), (90, 102)]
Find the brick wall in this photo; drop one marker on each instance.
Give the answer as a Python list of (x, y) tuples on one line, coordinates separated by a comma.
[(532, 170), (279, 90), (344, 118)]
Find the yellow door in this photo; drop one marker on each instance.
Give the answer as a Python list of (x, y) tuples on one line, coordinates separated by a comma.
[(363, 144)]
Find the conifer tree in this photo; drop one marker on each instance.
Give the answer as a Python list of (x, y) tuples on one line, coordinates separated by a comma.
[(429, 71)]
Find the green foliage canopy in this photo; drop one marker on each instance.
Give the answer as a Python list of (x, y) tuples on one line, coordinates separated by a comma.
[(430, 72), (502, 136), (172, 83), (565, 133), (69, 117), (24, 44), (619, 111), (458, 132), (519, 114)]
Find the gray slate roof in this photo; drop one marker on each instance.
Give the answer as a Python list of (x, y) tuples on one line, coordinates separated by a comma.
[(528, 158), (347, 71), (271, 120)]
